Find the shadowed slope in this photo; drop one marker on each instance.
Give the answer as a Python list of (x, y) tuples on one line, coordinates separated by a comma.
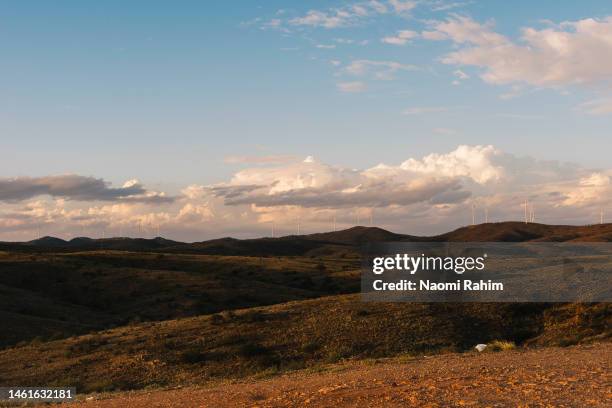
[(328, 243)]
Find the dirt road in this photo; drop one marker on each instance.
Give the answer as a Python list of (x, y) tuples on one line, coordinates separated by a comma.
[(577, 376)]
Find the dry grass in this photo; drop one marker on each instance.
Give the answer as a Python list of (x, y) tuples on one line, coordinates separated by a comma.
[(58, 295), (265, 341), (500, 345)]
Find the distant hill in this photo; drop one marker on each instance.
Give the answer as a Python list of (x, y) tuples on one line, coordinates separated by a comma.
[(327, 243), (156, 312), (521, 232)]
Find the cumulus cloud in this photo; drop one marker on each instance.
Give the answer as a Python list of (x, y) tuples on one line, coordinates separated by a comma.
[(570, 53), (421, 194), (475, 162), (314, 184), (435, 185), (380, 70), (402, 6), (400, 38), (75, 187), (594, 188)]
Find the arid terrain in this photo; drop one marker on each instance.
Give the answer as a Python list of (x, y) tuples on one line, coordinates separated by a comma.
[(577, 376), (279, 322)]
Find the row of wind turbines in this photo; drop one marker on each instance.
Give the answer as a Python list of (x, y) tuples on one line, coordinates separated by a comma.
[(333, 223), (530, 214), (154, 230)]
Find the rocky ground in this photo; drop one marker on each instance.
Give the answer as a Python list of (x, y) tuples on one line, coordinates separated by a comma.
[(577, 376)]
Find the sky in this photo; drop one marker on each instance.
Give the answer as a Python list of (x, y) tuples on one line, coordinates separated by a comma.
[(197, 120)]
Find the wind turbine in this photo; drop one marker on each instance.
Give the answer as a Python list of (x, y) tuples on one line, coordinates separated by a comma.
[(601, 216), (473, 214), (526, 204), (486, 215)]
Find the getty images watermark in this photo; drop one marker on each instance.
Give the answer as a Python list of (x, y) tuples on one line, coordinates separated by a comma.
[(487, 272)]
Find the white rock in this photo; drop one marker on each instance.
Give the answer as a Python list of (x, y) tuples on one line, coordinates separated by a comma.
[(480, 347)]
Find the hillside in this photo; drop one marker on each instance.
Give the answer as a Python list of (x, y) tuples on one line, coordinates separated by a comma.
[(289, 336), (521, 232), (165, 313), (338, 243), (55, 295), (569, 377)]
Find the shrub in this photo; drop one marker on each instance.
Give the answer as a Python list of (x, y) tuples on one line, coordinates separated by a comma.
[(501, 345), (216, 319), (311, 347), (193, 356), (252, 316), (253, 350)]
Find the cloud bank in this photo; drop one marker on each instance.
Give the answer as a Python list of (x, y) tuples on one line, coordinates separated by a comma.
[(75, 187), (428, 194)]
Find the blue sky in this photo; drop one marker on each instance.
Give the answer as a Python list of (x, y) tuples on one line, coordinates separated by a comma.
[(191, 93)]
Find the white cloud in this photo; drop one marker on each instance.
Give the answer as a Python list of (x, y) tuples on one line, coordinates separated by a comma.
[(592, 188), (195, 213), (379, 70), (573, 52), (595, 180), (474, 162), (339, 17), (402, 6), (444, 6), (401, 38), (316, 18), (460, 74), (415, 196), (378, 6), (325, 46), (351, 87), (352, 14)]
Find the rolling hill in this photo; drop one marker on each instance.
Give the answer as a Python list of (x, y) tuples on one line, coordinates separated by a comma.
[(289, 336), (123, 313), (328, 243)]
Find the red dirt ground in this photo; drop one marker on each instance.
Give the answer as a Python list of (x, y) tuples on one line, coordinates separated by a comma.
[(576, 376)]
